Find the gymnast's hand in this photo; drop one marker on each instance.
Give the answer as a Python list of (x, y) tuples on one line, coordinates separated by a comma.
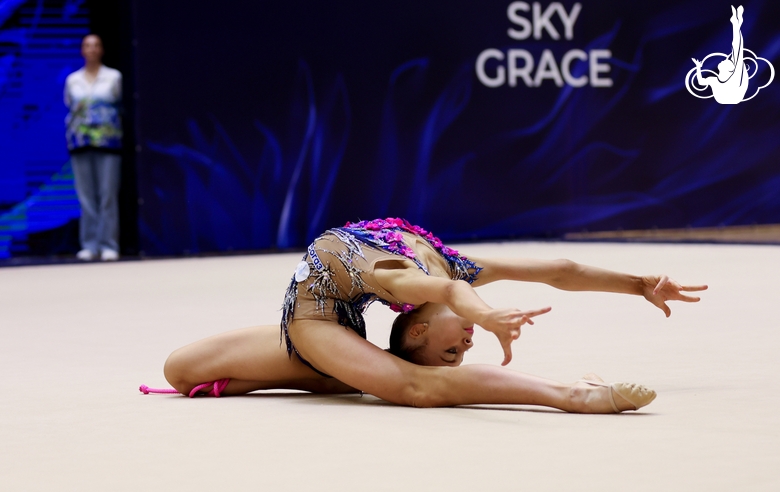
[(659, 289), (505, 325)]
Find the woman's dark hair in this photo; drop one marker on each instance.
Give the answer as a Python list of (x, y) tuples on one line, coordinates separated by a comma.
[(399, 345)]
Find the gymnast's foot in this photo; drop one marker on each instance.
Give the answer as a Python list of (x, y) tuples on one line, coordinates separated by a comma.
[(592, 395), (736, 15)]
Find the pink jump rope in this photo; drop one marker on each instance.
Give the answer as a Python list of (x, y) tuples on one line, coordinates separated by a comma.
[(216, 391)]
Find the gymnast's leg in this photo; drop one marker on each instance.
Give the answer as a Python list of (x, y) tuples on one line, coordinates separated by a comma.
[(338, 351), (737, 45), (252, 358)]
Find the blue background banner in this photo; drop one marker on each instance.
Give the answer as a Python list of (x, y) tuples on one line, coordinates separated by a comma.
[(260, 124), (265, 124), (39, 47)]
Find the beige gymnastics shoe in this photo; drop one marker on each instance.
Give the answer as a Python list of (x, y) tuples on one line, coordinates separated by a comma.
[(635, 394)]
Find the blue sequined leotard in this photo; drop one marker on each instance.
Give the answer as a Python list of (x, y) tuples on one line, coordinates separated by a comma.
[(335, 279)]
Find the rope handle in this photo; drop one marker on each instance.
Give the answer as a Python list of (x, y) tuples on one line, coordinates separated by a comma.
[(216, 391)]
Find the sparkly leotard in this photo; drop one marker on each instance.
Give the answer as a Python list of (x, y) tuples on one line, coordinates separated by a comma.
[(335, 280)]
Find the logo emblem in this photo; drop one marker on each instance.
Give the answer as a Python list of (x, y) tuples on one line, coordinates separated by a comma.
[(729, 85)]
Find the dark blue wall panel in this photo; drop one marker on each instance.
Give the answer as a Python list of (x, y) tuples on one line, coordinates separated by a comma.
[(263, 123)]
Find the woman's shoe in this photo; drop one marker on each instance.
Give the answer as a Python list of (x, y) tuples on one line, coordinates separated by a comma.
[(108, 254), (635, 394), (85, 255)]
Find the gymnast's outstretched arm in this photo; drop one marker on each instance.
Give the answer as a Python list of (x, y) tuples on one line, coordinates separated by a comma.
[(701, 80), (571, 276), (414, 287)]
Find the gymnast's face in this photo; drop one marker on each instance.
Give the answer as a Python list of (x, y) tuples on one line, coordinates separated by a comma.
[(446, 336)]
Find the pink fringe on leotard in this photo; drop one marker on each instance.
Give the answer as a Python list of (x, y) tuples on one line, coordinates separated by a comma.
[(216, 391)]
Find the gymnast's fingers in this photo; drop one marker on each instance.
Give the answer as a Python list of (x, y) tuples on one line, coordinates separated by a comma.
[(518, 320), (537, 312), (667, 311), (689, 298), (693, 288), (507, 352), (661, 284)]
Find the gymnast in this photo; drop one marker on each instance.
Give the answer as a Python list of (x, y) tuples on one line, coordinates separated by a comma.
[(322, 347), (731, 84)]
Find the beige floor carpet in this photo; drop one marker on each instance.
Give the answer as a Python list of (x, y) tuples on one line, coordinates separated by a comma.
[(750, 234), (76, 341)]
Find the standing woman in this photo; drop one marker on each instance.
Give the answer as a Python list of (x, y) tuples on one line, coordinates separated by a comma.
[(94, 133)]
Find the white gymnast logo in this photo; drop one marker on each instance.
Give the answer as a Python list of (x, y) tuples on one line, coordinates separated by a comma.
[(730, 84)]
